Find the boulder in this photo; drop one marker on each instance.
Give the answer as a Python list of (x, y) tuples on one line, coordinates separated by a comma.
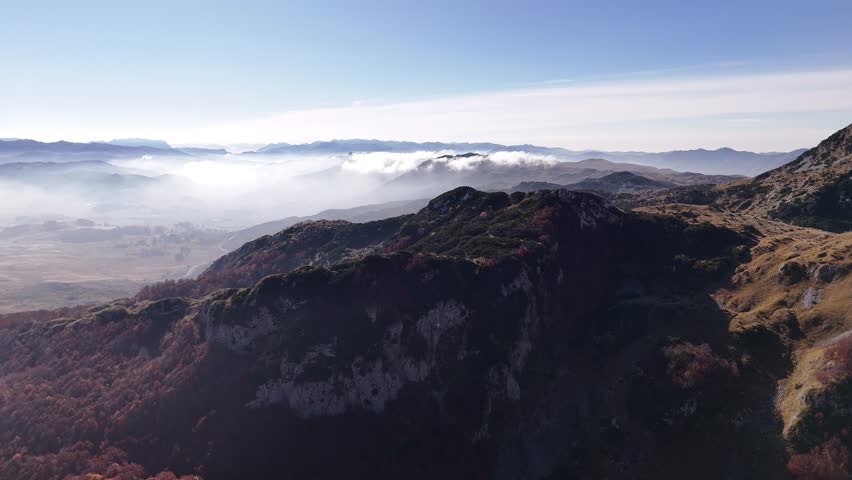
[(826, 272), (792, 271), (812, 297)]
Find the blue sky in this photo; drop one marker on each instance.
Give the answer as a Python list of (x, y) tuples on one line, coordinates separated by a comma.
[(225, 72)]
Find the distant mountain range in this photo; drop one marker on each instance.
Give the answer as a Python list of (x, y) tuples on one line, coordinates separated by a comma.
[(13, 151), (722, 161), (17, 150), (366, 146), (139, 142)]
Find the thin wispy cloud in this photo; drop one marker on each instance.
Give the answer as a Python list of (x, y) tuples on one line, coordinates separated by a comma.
[(688, 68), (647, 73), (647, 114), (555, 81)]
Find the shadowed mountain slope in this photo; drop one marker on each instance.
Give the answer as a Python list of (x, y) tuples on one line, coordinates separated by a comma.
[(442, 352)]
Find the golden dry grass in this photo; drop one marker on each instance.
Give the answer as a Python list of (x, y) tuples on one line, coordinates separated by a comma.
[(758, 295)]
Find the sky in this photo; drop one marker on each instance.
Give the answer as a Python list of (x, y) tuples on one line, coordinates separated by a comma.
[(616, 75)]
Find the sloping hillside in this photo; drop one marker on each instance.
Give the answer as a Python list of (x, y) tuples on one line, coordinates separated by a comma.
[(791, 307), (813, 190), (791, 304), (319, 243), (360, 214)]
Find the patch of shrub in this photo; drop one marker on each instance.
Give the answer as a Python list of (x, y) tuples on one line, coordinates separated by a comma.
[(691, 365), (838, 362), (828, 461)]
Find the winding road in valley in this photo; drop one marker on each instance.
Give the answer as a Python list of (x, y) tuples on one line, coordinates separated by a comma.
[(194, 270)]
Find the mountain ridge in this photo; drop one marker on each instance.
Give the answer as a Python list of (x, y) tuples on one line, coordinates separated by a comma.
[(813, 190)]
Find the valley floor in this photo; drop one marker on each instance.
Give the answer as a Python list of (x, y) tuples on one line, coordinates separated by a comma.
[(41, 269)]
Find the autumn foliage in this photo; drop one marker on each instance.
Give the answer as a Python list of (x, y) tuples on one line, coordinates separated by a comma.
[(838, 362), (70, 394), (828, 461), (691, 365)]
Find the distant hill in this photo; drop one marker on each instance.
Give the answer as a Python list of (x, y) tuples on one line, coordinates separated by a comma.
[(203, 151), (621, 182), (231, 147), (139, 142), (534, 186), (618, 182)]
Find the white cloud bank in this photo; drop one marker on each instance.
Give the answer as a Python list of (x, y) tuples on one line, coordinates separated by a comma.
[(390, 163), (754, 111)]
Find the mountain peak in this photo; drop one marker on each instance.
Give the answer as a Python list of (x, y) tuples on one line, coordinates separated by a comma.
[(461, 205), (836, 149), (814, 190)]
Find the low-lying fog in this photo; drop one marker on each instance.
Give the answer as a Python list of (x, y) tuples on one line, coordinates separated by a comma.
[(222, 191), (80, 232)]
